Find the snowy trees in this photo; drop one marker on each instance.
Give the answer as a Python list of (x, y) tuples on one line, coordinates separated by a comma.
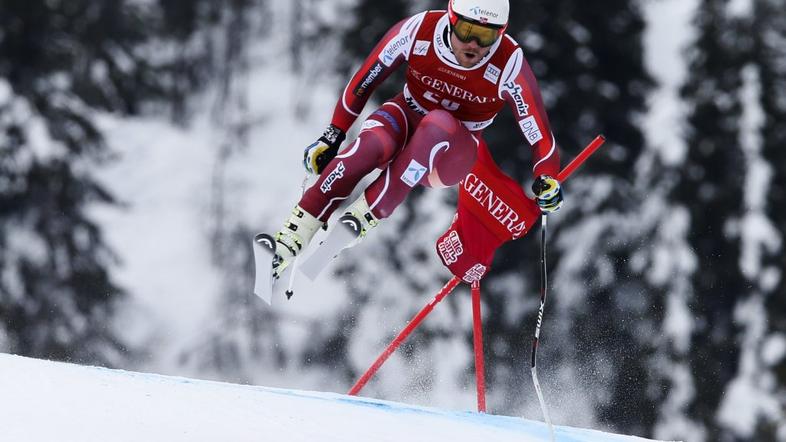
[(710, 186), (61, 63), (668, 284)]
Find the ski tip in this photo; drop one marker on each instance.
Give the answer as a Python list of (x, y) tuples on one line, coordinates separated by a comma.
[(289, 294)]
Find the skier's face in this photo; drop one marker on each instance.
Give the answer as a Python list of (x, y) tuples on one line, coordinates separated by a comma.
[(467, 54)]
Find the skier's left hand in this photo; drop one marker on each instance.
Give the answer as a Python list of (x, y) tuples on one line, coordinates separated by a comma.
[(548, 193)]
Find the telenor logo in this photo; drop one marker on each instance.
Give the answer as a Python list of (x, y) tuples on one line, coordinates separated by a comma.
[(477, 10), (414, 173)]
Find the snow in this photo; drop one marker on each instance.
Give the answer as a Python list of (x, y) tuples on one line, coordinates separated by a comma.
[(52, 401), (747, 397), (167, 176), (774, 349)]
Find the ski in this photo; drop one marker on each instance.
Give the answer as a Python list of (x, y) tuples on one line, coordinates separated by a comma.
[(264, 253), (342, 236)]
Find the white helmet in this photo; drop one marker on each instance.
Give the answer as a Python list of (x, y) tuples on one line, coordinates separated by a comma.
[(492, 12)]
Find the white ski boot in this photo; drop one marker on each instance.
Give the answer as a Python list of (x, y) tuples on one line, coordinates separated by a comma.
[(293, 237), (274, 254), (351, 228)]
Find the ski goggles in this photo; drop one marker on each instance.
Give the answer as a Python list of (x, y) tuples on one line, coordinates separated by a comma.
[(467, 30)]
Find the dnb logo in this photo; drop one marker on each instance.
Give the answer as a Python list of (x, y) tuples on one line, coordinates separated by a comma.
[(450, 248)]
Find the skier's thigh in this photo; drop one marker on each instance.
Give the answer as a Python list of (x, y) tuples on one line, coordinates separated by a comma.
[(384, 132), (452, 149)]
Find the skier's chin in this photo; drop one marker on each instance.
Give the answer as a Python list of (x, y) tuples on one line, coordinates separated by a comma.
[(469, 59)]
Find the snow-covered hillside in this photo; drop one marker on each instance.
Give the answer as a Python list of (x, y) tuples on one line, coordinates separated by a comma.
[(48, 401)]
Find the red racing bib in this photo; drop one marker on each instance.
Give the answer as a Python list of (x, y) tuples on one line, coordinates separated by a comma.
[(492, 209)]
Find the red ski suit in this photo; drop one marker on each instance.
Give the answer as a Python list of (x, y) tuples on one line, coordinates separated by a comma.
[(430, 133)]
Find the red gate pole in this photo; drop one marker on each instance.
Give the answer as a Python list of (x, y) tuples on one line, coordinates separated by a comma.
[(581, 157), (477, 322), (413, 324)]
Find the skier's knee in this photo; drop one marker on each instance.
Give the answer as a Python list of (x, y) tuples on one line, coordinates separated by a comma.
[(380, 143)]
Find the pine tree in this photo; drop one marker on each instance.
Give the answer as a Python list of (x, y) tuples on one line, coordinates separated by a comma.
[(710, 185), (588, 59), (60, 64), (770, 59)]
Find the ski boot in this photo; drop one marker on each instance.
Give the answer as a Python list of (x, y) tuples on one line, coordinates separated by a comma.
[(351, 228), (359, 219), (292, 238), (274, 254)]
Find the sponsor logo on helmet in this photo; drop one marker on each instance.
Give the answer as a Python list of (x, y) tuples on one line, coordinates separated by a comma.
[(371, 75), (530, 129), (415, 171), (515, 91), (494, 205), (334, 176), (483, 13), (450, 248)]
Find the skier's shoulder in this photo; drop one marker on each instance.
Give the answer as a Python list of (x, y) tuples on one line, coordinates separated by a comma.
[(426, 20), (508, 47), (515, 60)]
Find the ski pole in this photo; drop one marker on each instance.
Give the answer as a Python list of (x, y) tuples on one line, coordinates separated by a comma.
[(477, 336), (543, 290), (289, 291), (562, 176), (413, 324)]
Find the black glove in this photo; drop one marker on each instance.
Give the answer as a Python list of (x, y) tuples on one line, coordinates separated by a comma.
[(548, 193), (319, 153)]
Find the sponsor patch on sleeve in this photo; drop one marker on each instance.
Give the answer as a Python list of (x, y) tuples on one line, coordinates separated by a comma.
[(393, 49), (371, 75), (530, 129)]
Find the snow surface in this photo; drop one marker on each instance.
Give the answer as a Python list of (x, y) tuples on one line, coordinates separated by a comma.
[(46, 401)]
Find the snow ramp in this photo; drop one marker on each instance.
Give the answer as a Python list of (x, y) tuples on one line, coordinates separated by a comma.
[(58, 402)]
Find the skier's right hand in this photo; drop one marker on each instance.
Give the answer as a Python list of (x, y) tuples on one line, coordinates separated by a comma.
[(319, 153)]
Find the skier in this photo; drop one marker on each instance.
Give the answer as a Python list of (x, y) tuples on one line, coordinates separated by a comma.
[(461, 70)]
